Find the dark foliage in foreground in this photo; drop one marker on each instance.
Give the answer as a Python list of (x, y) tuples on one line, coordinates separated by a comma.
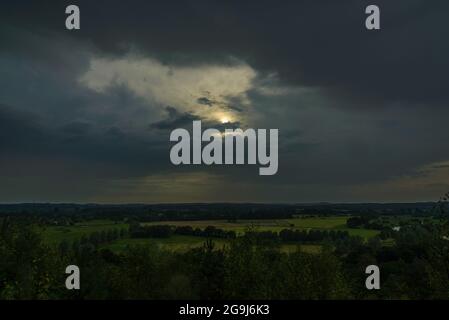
[(248, 268)]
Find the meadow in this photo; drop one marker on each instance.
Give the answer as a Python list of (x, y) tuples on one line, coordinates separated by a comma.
[(337, 223), (55, 234)]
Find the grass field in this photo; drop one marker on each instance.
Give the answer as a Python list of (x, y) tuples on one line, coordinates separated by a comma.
[(239, 226), (55, 234)]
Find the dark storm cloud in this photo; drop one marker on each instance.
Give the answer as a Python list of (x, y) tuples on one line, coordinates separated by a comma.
[(205, 101), (21, 133), (175, 119), (377, 110), (312, 43), (18, 130), (76, 128), (46, 113), (231, 104), (210, 102)]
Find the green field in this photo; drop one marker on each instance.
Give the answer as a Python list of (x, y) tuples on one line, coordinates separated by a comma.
[(240, 226), (55, 234)]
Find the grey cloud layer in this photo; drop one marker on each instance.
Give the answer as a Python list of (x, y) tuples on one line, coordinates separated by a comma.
[(354, 109), (394, 64)]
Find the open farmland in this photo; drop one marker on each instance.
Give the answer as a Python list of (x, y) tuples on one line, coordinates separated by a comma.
[(307, 223), (56, 234)]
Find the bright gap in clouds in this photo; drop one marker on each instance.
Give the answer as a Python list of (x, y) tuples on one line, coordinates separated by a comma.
[(210, 91)]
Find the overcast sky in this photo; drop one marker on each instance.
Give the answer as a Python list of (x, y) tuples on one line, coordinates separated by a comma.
[(85, 115)]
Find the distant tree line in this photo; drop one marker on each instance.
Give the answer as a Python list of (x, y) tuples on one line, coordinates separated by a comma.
[(312, 235), (208, 232), (137, 230), (94, 239), (300, 236), (68, 214), (365, 222)]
